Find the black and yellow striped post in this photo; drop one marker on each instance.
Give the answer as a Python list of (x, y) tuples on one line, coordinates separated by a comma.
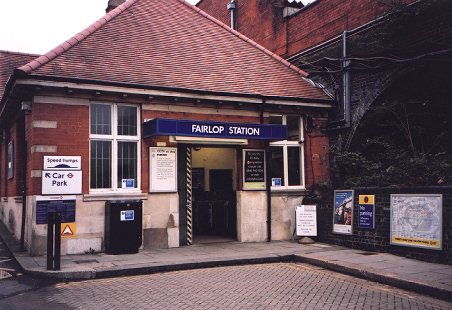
[(189, 202)]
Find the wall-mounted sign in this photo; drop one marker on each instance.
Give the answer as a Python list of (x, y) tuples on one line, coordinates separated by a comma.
[(163, 169), (253, 169), (306, 220), (343, 212), (416, 220), (276, 182), (366, 211), (178, 127), (62, 162), (61, 182), (128, 183), (68, 230), (64, 205), (10, 160)]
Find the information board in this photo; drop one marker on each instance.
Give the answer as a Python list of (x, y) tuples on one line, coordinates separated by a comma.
[(306, 220), (64, 205), (163, 169), (253, 169), (416, 220)]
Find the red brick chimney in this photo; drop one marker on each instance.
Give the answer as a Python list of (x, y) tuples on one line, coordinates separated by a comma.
[(113, 4)]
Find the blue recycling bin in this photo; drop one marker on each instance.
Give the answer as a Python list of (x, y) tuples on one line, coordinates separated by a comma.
[(123, 226)]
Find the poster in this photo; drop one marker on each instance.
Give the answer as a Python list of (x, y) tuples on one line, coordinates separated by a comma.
[(343, 212), (163, 169), (366, 211), (253, 169), (306, 220), (416, 220)]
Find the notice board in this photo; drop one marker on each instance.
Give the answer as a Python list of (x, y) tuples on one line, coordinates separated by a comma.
[(306, 220), (162, 169), (254, 169)]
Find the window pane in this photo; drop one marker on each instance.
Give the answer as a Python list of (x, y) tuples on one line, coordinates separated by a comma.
[(277, 166), (127, 121), (100, 157), (294, 163), (293, 126), (276, 119), (127, 164), (100, 119)]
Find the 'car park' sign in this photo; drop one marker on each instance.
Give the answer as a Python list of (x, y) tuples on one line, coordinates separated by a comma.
[(61, 182)]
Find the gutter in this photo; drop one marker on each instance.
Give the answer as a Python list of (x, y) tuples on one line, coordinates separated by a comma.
[(139, 89)]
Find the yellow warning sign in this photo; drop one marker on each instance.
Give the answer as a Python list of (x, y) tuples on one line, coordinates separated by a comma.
[(68, 229), (366, 199)]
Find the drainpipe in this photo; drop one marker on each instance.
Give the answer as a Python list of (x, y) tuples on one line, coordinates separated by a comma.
[(267, 181), (232, 8), (345, 80), (26, 106)]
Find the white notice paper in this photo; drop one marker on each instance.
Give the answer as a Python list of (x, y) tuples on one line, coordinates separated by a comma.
[(163, 169)]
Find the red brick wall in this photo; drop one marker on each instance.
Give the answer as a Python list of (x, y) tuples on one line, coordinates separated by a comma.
[(217, 9), (71, 138), (316, 154), (262, 21)]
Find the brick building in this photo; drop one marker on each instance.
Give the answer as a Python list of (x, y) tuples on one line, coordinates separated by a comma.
[(157, 103)]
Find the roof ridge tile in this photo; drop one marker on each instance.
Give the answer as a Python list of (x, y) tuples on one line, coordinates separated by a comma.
[(68, 44), (246, 39)]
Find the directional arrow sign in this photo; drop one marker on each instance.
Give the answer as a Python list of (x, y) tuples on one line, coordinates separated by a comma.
[(61, 182)]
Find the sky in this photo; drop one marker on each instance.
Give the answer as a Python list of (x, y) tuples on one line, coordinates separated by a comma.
[(38, 26)]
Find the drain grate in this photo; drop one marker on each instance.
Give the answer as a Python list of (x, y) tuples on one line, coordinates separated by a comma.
[(86, 261), (368, 253)]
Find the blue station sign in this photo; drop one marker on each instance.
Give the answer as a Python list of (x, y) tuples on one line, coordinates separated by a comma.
[(207, 129)]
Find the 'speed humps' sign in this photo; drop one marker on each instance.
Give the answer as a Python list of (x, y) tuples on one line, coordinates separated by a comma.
[(62, 175)]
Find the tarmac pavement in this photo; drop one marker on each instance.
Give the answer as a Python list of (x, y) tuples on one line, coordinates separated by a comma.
[(422, 277)]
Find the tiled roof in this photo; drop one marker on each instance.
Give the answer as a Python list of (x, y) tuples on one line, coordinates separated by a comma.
[(8, 62), (172, 44)]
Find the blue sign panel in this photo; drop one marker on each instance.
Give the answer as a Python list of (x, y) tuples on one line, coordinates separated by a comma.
[(366, 218), (176, 127), (66, 209), (127, 215)]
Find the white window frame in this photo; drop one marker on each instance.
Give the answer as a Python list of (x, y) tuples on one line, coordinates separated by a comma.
[(115, 138), (285, 144)]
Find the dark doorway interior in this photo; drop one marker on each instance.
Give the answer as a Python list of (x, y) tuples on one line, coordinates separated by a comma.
[(214, 211)]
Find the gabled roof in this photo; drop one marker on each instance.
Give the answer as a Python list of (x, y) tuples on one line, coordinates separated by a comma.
[(8, 62), (172, 44)]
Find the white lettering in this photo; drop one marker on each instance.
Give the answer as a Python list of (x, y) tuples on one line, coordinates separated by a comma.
[(207, 129), (246, 131)]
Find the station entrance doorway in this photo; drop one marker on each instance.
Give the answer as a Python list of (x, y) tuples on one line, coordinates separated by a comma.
[(214, 194)]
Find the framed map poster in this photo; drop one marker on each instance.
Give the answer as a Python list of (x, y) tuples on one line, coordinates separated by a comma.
[(416, 220), (343, 212)]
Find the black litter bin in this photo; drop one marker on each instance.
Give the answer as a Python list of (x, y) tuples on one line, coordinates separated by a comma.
[(123, 226)]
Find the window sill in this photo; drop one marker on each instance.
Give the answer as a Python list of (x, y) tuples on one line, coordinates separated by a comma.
[(288, 191), (103, 196)]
